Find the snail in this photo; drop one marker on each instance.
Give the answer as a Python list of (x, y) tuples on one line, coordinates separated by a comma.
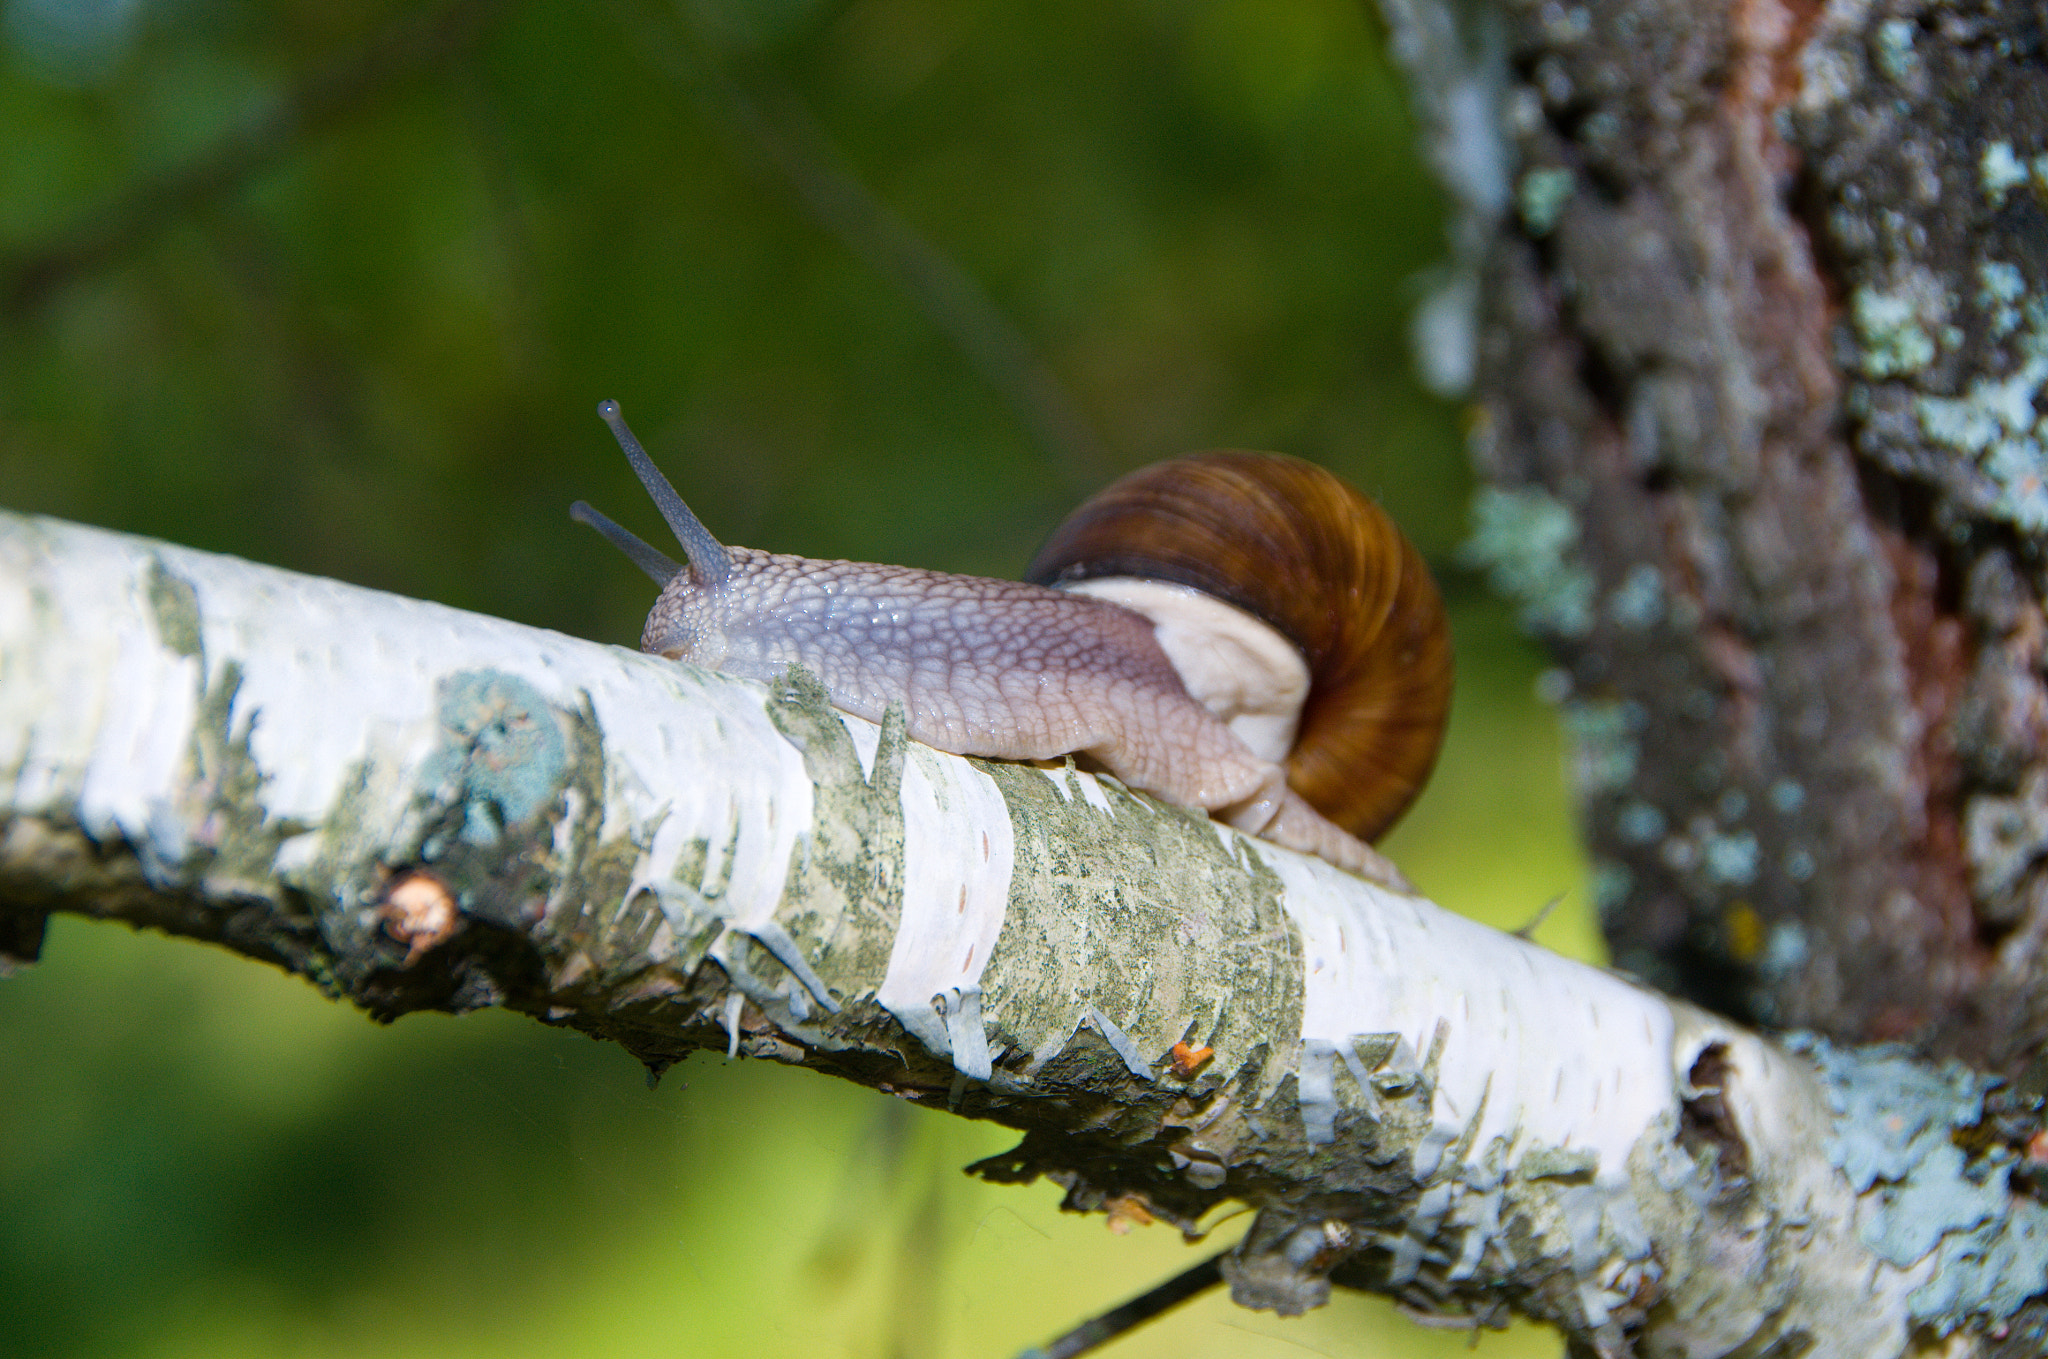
[(1237, 632)]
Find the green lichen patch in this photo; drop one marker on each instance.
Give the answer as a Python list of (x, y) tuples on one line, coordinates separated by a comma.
[(1526, 541), (844, 893), (1638, 603), (174, 607), (1558, 1163), (1900, 1131), (216, 829), (213, 832), (1606, 742), (1730, 859), (502, 753), (345, 870), (1540, 196), (601, 936), (1893, 49), (239, 836), (482, 819), (1144, 915), (220, 829), (2000, 289), (2000, 170), (1998, 421), (1889, 333)]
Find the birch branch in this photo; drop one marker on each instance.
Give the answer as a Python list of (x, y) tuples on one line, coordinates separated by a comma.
[(420, 808)]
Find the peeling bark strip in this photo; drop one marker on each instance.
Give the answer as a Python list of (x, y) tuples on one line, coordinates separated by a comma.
[(1761, 375), (416, 807)]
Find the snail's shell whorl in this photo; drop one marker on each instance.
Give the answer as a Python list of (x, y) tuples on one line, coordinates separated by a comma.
[(1302, 550)]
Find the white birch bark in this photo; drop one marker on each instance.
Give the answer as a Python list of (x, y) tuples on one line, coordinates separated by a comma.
[(417, 807)]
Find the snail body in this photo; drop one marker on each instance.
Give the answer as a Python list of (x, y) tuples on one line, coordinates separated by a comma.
[(1172, 684)]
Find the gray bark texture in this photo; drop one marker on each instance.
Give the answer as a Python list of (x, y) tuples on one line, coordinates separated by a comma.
[(1762, 338)]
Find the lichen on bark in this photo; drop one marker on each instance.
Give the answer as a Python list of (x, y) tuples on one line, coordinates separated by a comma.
[(1762, 323)]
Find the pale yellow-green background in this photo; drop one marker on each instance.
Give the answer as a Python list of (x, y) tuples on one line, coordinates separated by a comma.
[(376, 359)]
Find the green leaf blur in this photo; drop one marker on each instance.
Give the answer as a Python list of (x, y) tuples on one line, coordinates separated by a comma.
[(337, 286)]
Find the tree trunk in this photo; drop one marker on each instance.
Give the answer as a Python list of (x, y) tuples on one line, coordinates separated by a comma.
[(1762, 345)]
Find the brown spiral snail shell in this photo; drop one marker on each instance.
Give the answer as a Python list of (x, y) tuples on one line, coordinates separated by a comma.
[(1300, 549)]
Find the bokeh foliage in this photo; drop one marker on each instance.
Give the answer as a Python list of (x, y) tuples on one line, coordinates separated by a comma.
[(336, 285)]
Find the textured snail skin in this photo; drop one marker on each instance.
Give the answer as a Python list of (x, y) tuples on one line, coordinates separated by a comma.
[(994, 668)]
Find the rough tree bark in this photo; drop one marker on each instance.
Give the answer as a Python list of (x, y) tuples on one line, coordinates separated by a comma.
[(1764, 336)]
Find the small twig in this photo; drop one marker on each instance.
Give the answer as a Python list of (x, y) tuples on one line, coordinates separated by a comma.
[(1139, 1310), (1529, 930), (769, 124), (29, 277)]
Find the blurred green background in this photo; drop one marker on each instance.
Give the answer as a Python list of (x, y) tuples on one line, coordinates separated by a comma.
[(336, 285)]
